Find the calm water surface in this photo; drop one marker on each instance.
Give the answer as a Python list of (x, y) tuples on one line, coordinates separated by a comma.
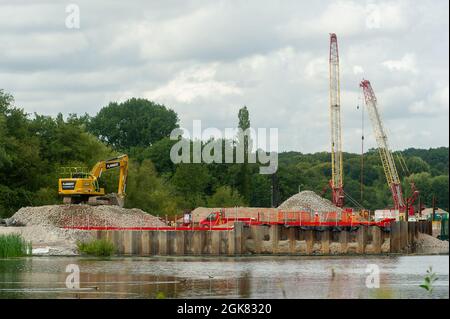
[(245, 277)]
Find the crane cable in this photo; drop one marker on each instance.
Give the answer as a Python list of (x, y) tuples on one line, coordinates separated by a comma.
[(361, 103), (354, 201)]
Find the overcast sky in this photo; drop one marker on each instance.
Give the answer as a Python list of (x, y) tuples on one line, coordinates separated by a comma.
[(206, 59)]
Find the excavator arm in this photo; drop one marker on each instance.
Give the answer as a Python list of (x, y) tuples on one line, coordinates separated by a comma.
[(122, 163)]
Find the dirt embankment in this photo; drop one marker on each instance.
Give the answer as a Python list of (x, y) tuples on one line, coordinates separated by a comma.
[(44, 225)]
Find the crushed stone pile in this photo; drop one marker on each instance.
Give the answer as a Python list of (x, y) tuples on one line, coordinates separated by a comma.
[(247, 212), (44, 225), (431, 245), (309, 201), (85, 215)]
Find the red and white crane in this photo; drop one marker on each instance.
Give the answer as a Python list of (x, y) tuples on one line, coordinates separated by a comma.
[(387, 159), (337, 179)]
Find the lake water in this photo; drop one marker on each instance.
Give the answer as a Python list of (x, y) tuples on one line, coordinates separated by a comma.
[(244, 277)]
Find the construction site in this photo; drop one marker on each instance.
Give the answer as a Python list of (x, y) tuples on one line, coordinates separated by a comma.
[(304, 224)]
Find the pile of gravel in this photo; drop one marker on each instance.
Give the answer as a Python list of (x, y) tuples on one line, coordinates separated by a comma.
[(85, 215), (310, 202), (427, 244)]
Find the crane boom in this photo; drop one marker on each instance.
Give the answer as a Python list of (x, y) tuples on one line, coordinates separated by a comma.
[(337, 180), (386, 156)]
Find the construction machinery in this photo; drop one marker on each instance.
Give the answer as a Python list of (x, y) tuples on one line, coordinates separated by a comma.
[(84, 187), (337, 180), (386, 156), (219, 218)]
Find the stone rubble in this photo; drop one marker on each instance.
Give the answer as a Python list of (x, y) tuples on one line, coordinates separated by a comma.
[(310, 202)]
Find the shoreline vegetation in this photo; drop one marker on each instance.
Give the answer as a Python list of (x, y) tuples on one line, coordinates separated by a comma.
[(97, 247), (13, 245)]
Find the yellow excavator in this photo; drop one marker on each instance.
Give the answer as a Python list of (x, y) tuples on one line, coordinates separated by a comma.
[(82, 187)]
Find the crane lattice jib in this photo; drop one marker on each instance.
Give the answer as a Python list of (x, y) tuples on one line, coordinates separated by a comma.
[(337, 180), (386, 156)]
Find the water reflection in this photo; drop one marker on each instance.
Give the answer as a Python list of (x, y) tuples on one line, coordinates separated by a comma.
[(249, 277)]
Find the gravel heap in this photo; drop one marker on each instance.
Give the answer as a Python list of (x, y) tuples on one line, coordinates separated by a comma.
[(44, 225), (85, 215), (310, 202), (427, 244)]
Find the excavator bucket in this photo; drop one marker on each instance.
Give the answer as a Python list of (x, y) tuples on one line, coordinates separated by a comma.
[(108, 199)]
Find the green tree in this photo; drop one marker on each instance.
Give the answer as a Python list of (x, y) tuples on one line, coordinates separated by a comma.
[(417, 165), (133, 123), (439, 188), (159, 154), (191, 181), (244, 176), (260, 190), (148, 192), (225, 196)]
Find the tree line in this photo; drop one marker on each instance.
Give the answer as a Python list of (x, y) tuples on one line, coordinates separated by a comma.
[(34, 149)]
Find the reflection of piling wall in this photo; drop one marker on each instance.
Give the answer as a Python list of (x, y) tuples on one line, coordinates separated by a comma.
[(270, 239)]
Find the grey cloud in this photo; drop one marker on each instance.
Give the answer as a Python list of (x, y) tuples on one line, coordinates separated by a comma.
[(206, 59)]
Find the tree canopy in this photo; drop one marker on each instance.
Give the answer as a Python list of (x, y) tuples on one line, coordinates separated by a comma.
[(33, 148), (133, 123)]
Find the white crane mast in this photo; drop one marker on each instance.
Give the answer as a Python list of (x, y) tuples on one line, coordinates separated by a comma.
[(337, 180)]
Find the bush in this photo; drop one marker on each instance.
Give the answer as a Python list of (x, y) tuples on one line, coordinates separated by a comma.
[(97, 247), (13, 245)]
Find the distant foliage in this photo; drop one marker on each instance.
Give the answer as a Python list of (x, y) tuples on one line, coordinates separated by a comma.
[(34, 148), (133, 123), (225, 196), (149, 192)]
